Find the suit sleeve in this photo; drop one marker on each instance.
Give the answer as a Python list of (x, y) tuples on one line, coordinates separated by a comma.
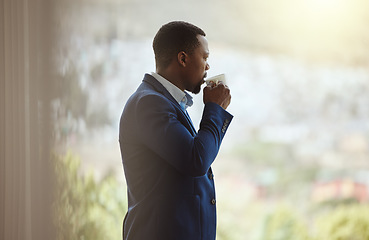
[(161, 131)]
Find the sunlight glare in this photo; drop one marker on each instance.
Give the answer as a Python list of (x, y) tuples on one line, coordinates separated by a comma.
[(325, 3), (326, 6)]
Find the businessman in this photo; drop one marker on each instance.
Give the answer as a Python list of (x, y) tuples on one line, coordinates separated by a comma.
[(167, 163)]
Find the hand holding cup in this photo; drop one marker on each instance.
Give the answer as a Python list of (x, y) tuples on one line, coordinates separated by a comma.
[(217, 91), (213, 81)]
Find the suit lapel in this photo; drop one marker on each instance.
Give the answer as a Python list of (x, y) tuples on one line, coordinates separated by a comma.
[(161, 89)]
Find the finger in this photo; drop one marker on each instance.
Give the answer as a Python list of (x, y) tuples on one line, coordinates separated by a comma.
[(222, 83), (225, 85), (207, 88), (210, 84)]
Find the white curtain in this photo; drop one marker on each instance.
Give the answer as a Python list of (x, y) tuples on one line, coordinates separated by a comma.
[(26, 176)]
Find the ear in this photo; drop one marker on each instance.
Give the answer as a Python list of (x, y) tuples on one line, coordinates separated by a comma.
[(182, 58)]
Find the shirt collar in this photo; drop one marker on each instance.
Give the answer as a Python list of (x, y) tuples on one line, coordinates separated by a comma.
[(183, 98)]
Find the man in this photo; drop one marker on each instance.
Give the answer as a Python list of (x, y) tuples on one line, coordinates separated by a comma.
[(166, 162)]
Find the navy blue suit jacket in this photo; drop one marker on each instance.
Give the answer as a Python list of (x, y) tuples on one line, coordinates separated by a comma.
[(166, 162)]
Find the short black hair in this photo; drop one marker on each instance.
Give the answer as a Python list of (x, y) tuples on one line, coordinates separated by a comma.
[(173, 38)]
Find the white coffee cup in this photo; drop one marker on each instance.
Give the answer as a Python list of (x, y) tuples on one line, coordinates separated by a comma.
[(216, 79)]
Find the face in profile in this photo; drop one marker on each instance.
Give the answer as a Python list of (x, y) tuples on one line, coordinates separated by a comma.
[(197, 66)]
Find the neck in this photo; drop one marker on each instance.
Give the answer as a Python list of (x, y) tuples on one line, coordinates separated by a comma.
[(171, 76)]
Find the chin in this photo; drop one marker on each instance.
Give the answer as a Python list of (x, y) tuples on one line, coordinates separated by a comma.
[(197, 89)]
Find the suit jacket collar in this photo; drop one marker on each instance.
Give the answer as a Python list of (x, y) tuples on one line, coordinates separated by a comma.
[(158, 87), (161, 89)]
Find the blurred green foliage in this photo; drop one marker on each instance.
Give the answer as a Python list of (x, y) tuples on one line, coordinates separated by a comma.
[(85, 208), (346, 222), (283, 224)]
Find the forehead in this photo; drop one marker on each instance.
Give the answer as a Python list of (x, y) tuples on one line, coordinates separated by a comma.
[(203, 47)]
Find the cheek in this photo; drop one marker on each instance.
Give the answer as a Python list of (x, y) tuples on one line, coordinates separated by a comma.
[(202, 66), (205, 64)]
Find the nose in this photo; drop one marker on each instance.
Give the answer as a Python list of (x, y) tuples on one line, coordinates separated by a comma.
[(207, 67)]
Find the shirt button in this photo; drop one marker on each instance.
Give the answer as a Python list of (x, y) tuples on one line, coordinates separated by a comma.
[(213, 201)]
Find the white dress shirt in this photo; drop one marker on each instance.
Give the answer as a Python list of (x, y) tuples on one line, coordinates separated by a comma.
[(183, 98)]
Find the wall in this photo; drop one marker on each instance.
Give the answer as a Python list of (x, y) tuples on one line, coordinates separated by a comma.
[(25, 173)]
